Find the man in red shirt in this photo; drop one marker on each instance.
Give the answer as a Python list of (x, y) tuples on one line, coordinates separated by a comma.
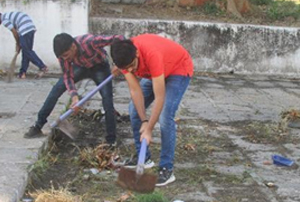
[(165, 69)]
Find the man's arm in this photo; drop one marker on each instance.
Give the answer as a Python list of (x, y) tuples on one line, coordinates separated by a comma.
[(69, 81), (16, 36), (136, 95), (139, 103), (159, 94), (68, 77)]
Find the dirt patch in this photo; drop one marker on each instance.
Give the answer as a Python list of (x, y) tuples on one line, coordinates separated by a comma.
[(169, 10), (203, 150)]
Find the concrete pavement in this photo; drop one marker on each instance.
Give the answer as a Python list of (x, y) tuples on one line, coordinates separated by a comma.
[(217, 98), (20, 102)]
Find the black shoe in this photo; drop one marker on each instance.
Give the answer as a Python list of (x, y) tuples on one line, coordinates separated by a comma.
[(132, 163), (165, 177), (34, 132)]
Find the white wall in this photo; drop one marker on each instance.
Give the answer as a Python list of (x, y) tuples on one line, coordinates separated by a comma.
[(50, 17)]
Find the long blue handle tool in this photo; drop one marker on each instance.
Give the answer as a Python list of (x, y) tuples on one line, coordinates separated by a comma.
[(82, 101), (137, 180), (141, 160)]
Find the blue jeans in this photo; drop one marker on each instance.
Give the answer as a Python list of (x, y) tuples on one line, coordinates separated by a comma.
[(28, 55), (98, 74), (175, 88)]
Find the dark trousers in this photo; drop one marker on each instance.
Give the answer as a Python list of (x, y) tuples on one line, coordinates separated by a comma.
[(28, 55), (98, 74)]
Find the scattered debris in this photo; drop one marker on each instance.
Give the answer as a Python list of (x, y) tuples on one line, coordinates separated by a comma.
[(207, 74), (1, 73), (282, 161), (101, 157), (190, 147), (125, 196), (267, 163), (291, 114), (270, 184)]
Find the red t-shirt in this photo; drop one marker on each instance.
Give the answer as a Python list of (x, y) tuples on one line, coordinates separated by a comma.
[(159, 55)]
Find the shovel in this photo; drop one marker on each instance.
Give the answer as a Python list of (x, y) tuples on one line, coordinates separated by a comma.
[(65, 126), (137, 180), (11, 70)]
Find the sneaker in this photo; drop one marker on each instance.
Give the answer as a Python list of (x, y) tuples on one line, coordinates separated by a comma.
[(34, 132), (132, 163), (165, 177)]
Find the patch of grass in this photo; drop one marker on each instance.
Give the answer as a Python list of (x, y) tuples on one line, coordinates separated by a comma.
[(196, 175), (279, 10), (44, 162), (193, 140), (234, 160), (211, 8), (153, 197), (111, 192), (233, 179), (265, 133), (261, 2), (190, 141)]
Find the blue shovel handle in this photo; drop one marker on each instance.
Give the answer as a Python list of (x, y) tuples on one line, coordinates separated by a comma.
[(142, 157), (82, 101)]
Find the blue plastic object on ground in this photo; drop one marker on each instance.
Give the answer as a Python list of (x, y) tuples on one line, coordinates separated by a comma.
[(282, 161)]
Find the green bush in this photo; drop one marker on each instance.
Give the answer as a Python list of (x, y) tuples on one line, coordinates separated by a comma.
[(211, 8), (280, 10), (261, 2)]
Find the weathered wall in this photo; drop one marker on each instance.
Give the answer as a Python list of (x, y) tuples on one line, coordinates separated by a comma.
[(214, 47), (220, 47)]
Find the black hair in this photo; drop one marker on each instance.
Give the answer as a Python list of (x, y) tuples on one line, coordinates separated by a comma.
[(123, 52), (62, 43)]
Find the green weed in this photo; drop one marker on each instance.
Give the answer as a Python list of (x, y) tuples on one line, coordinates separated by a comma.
[(266, 133), (196, 175), (153, 197), (261, 2), (280, 10), (234, 179), (211, 8), (44, 162)]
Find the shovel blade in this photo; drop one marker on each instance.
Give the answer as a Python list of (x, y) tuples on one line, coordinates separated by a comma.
[(128, 179), (67, 128)]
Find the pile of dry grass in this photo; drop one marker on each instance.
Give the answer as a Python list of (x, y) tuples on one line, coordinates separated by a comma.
[(52, 195), (100, 157), (291, 114)]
